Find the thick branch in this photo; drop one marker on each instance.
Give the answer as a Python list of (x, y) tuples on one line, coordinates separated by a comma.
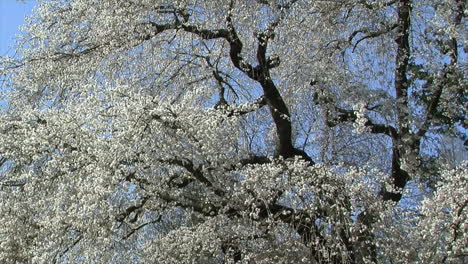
[(401, 63), (399, 176), (278, 108)]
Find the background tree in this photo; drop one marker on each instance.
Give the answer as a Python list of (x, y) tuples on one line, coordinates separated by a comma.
[(212, 132)]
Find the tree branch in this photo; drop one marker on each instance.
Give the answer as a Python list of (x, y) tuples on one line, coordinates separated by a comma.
[(233, 110), (134, 230), (65, 251), (350, 116), (370, 34), (121, 217)]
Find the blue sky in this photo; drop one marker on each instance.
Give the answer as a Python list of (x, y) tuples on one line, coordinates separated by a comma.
[(12, 14)]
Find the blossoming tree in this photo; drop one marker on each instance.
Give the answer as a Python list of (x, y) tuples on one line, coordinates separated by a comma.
[(151, 131)]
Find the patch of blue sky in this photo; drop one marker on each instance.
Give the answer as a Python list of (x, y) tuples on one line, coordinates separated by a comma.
[(12, 16)]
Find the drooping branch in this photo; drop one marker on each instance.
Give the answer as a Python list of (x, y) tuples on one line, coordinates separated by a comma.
[(220, 80), (370, 34)]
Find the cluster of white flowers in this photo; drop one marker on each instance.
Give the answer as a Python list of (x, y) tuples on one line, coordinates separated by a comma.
[(446, 214), (359, 125), (184, 132)]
